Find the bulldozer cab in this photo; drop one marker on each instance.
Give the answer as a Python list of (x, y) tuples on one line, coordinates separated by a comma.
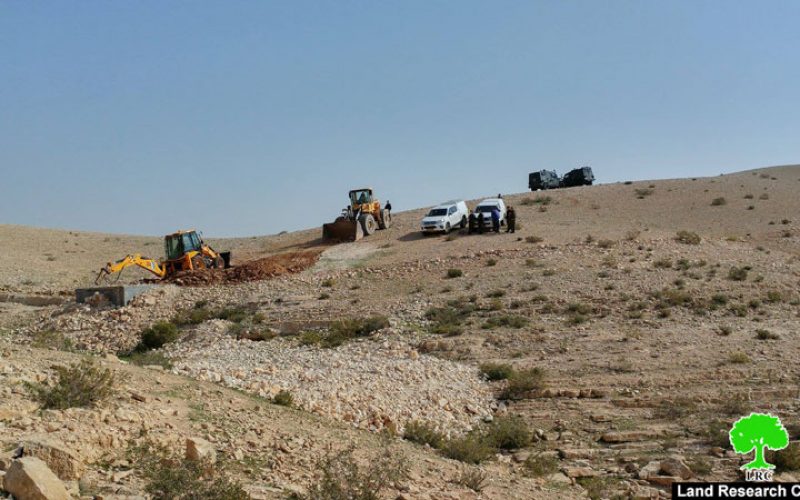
[(179, 244), (360, 197)]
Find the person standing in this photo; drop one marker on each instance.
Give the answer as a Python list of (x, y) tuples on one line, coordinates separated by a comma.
[(388, 207), (471, 223), (511, 220), (480, 223), (496, 220)]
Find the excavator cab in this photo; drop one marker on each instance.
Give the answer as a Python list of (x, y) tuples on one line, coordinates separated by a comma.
[(176, 245)]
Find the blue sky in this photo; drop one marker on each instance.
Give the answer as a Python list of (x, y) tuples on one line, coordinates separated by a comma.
[(245, 118)]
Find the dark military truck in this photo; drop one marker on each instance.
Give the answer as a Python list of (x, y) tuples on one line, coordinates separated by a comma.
[(579, 177), (543, 179)]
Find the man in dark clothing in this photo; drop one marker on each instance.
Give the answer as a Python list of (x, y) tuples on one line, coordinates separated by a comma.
[(471, 223), (496, 220), (480, 223), (511, 220), (388, 206)]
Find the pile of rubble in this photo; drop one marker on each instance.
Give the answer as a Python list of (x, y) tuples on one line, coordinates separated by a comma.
[(372, 384), (254, 270)]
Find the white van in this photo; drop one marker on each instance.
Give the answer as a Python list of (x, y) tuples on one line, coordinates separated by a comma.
[(486, 207), (444, 217)]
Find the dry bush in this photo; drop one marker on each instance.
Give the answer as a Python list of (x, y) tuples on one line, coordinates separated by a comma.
[(522, 382), (688, 238), (474, 479), (454, 273), (82, 385), (339, 477), (762, 334), (496, 371), (171, 477), (718, 202), (643, 193), (738, 273), (508, 433), (284, 398), (738, 358), (539, 464), (472, 448), (505, 320), (534, 239), (423, 433)]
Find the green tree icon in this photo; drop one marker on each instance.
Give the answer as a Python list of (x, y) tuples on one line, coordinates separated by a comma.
[(757, 432)]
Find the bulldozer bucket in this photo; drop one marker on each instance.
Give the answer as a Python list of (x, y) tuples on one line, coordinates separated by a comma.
[(343, 230)]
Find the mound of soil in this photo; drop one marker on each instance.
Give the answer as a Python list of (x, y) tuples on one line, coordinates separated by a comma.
[(254, 270)]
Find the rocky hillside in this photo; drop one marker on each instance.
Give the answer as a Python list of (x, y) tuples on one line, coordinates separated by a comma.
[(605, 348)]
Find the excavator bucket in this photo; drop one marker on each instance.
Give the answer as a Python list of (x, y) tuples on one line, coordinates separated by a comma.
[(343, 230)]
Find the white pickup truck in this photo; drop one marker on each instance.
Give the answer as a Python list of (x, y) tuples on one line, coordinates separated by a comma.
[(487, 206), (444, 217)]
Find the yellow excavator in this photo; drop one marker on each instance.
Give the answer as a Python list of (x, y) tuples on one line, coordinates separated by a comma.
[(361, 218), (185, 251)]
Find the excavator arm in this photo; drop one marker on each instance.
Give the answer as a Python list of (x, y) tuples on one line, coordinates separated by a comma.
[(132, 260)]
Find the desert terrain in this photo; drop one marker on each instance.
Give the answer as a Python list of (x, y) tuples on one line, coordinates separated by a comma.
[(603, 350)]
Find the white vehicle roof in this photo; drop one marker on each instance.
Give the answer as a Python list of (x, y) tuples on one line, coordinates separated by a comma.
[(492, 201), (450, 203)]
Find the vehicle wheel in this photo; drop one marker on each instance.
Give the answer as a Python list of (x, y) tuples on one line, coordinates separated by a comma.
[(198, 262), (463, 221), (386, 219), (368, 224), (447, 228), (219, 262)]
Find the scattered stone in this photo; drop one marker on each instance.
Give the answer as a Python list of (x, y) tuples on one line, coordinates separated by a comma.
[(65, 464), (199, 449), (29, 478)]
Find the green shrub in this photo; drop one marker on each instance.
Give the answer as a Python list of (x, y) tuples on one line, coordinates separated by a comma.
[(539, 464), (506, 320), (149, 358), (737, 273), (508, 433), (494, 294), (662, 264), (496, 371), (766, 335), (521, 382), (80, 385), (310, 337), (738, 358), (491, 263), (168, 476), (471, 448), (234, 314), (688, 238), (339, 477), (445, 320), (454, 273), (606, 244), (328, 282), (157, 335), (283, 398), (423, 433), (774, 296)]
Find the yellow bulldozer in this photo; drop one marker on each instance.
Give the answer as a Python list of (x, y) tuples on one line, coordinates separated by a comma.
[(185, 251), (361, 218)]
